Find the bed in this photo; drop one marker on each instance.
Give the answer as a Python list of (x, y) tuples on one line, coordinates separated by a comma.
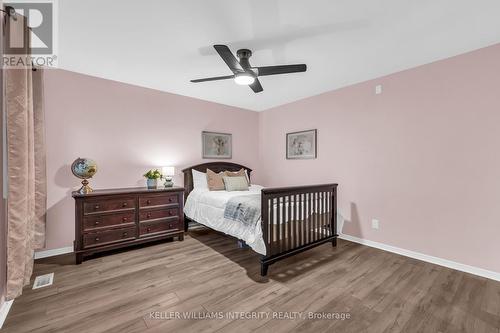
[(291, 219)]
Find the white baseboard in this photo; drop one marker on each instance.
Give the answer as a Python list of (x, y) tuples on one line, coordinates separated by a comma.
[(424, 257), (4, 310), (53, 252)]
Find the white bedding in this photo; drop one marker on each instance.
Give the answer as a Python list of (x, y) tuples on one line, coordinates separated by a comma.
[(207, 207)]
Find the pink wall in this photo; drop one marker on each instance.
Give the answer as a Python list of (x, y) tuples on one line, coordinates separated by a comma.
[(422, 157), (126, 130)]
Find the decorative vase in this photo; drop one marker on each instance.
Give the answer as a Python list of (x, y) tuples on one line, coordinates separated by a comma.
[(152, 183), (168, 182)]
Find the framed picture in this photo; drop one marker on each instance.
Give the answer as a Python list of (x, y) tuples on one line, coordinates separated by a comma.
[(217, 145), (301, 145)]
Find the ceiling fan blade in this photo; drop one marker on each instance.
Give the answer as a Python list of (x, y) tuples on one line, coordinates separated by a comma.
[(229, 58), (283, 69), (213, 78), (256, 86)]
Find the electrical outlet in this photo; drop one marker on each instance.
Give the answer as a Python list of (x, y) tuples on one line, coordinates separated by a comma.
[(378, 89), (375, 224)]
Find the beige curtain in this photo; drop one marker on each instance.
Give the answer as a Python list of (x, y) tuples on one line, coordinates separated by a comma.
[(26, 189)]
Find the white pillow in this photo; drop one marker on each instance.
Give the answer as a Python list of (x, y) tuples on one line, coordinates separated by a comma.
[(199, 180)]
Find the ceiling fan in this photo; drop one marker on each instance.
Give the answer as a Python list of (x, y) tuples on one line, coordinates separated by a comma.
[(245, 74)]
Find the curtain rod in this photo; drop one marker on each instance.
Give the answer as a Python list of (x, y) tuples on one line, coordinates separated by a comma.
[(9, 10)]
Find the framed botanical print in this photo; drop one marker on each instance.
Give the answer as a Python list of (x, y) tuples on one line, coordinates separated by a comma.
[(301, 145), (216, 145)]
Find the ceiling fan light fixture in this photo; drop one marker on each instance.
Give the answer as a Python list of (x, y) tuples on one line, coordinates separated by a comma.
[(244, 78), (244, 73)]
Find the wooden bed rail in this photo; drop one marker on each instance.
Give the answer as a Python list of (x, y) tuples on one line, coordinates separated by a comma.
[(295, 219)]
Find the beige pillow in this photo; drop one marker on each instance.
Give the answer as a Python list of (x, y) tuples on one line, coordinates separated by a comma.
[(236, 183), (214, 180), (240, 173)]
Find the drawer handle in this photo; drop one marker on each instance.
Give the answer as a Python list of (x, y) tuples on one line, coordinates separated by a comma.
[(96, 222), (148, 215), (96, 207), (124, 219), (97, 239), (170, 212), (170, 225), (169, 199), (125, 234), (124, 204), (148, 229), (148, 202)]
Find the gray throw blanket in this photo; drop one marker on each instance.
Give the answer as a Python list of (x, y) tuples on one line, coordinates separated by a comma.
[(243, 208)]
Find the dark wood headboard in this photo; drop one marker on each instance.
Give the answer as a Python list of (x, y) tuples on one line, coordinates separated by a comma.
[(214, 166)]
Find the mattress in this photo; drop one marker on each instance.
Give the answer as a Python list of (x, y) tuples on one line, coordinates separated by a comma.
[(207, 207)]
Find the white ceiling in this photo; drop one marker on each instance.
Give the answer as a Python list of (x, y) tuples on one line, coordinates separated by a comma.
[(163, 44)]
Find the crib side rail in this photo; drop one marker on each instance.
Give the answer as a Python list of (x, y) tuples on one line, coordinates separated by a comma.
[(297, 218)]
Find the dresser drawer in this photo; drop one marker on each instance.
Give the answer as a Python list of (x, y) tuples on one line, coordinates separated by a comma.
[(164, 225), (99, 221), (99, 206), (158, 214), (108, 236), (158, 200)]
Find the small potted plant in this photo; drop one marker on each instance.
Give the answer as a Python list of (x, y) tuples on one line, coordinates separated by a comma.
[(152, 177)]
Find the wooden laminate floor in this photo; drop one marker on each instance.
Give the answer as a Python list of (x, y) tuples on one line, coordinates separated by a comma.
[(144, 289)]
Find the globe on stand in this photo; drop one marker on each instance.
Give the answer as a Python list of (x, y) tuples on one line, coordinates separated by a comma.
[(84, 168)]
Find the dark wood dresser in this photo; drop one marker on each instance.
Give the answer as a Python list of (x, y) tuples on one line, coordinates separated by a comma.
[(116, 218)]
